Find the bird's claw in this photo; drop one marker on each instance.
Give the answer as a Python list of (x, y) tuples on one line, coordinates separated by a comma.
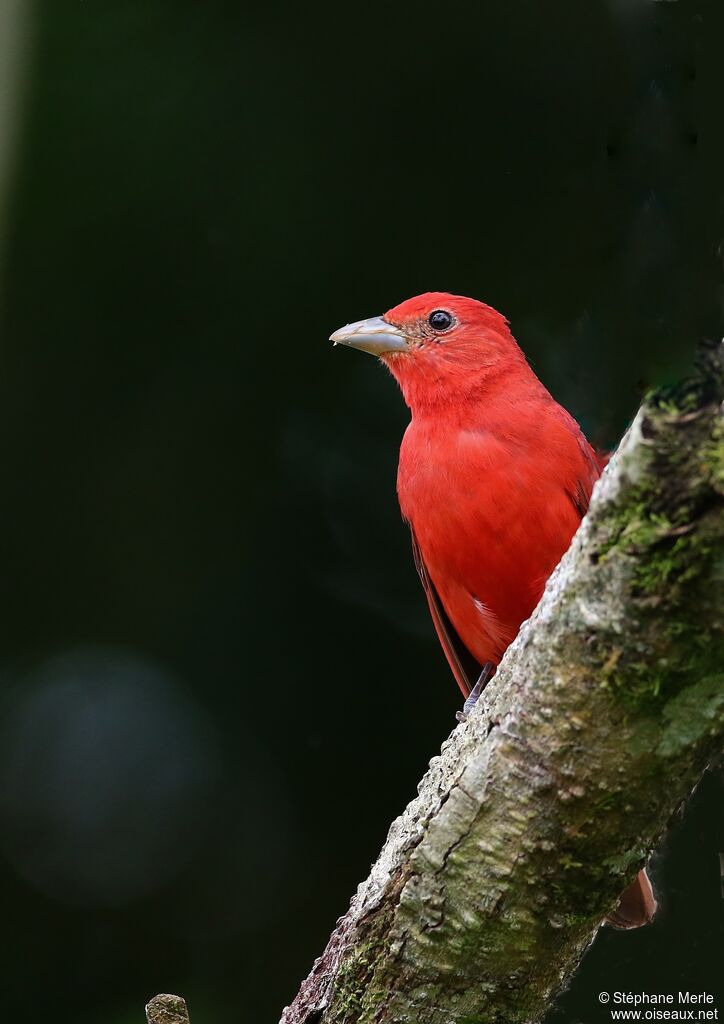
[(472, 699)]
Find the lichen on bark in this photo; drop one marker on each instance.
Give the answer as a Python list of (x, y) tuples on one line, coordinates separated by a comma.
[(544, 805)]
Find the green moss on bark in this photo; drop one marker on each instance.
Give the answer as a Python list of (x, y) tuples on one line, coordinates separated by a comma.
[(669, 539)]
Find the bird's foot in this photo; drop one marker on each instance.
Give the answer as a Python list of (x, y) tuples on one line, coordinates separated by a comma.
[(472, 700)]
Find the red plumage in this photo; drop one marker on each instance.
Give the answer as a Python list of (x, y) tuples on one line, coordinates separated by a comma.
[(494, 476)]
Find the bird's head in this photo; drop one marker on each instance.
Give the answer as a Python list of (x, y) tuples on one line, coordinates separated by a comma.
[(439, 347)]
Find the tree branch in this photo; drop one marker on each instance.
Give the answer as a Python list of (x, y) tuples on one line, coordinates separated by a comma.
[(541, 809), (167, 1009)]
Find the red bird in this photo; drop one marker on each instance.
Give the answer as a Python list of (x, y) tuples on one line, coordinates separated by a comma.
[(494, 478)]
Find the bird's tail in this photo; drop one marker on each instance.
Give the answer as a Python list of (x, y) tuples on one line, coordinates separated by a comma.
[(637, 905)]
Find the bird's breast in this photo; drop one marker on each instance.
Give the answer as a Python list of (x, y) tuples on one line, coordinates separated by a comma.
[(491, 525)]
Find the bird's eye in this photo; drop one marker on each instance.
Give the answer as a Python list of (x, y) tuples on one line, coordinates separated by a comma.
[(439, 320)]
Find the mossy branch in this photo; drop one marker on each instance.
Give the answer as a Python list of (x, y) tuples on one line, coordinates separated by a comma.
[(541, 809)]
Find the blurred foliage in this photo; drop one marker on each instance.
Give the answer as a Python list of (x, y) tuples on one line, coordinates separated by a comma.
[(199, 493)]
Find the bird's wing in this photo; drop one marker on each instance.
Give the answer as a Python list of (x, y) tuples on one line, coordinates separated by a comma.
[(464, 667), (591, 465)]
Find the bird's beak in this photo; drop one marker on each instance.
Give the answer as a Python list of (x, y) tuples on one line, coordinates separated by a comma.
[(374, 335)]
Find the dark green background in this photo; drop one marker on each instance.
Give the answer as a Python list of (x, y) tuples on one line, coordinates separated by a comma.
[(219, 682)]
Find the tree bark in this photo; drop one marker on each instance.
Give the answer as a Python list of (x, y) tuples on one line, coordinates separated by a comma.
[(167, 1009), (541, 809)]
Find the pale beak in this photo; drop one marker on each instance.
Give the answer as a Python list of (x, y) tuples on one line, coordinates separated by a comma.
[(374, 335)]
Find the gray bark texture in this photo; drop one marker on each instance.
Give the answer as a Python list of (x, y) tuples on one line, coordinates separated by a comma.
[(167, 1009), (541, 809)]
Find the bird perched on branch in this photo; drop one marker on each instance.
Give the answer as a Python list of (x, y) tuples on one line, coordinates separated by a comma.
[(494, 478)]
